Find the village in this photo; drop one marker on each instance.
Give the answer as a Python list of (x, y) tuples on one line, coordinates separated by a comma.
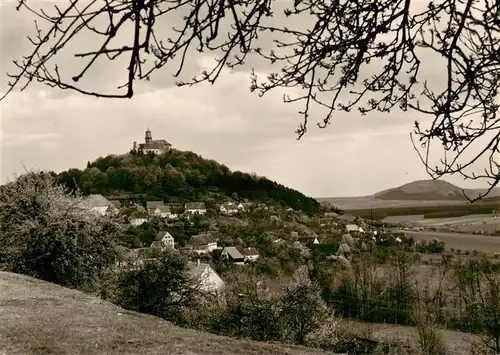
[(201, 246)]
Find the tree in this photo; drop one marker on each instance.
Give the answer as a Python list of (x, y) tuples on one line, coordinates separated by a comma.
[(46, 234), (478, 287), (303, 309), (162, 287), (330, 60)]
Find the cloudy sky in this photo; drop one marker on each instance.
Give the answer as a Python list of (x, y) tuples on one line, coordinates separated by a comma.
[(45, 129)]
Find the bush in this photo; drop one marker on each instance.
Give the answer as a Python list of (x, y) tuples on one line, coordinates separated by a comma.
[(161, 287), (46, 234)]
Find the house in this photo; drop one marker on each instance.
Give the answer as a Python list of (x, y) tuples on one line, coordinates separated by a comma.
[(137, 218), (99, 205), (250, 254), (352, 228), (347, 218), (195, 208), (162, 211), (229, 208), (151, 206), (163, 240), (134, 258), (202, 243), (206, 278), (233, 255)]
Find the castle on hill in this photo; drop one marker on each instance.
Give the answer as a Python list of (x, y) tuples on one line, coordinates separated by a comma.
[(154, 146)]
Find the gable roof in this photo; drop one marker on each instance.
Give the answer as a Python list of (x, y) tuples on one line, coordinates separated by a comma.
[(249, 251), (352, 227), (138, 214), (153, 204), (195, 205), (233, 253), (347, 217), (159, 236), (201, 239), (96, 200), (196, 270), (164, 209)]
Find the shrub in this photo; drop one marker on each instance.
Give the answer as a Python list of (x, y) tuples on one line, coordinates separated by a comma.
[(46, 234), (161, 287)]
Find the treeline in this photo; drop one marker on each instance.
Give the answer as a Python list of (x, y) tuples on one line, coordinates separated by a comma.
[(479, 207), (178, 176)]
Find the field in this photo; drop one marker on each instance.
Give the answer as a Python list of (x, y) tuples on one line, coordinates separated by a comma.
[(368, 202), (482, 223), (42, 318), (368, 207), (462, 241)]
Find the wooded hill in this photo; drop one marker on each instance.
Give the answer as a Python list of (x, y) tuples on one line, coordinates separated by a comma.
[(178, 176)]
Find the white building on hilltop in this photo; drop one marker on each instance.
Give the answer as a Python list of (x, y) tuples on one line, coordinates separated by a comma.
[(152, 146)]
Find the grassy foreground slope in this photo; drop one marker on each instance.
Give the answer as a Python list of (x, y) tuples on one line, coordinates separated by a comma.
[(38, 317)]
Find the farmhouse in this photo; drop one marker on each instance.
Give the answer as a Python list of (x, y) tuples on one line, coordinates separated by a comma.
[(163, 240), (250, 254), (195, 208), (99, 205), (229, 208), (151, 206), (202, 243)]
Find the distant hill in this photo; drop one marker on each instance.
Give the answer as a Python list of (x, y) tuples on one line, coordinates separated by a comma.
[(428, 190), (429, 193), (43, 318), (179, 176)]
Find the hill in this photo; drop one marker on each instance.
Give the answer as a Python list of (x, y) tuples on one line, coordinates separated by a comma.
[(429, 190), (178, 176), (43, 318)]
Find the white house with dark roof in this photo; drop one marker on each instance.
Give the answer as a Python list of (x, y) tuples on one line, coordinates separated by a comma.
[(151, 206), (202, 243), (250, 254), (98, 204), (229, 208), (195, 208), (163, 240)]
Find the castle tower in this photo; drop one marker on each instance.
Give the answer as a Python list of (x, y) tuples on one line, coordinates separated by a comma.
[(149, 137)]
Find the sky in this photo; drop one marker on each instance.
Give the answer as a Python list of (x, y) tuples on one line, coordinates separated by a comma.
[(42, 128)]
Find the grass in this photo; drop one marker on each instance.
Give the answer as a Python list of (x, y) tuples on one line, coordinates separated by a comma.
[(42, 318)]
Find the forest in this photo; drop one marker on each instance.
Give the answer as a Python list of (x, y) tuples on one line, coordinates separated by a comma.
[(178, 176)]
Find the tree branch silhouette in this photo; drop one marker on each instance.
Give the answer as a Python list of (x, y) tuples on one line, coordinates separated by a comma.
[(326, 61)]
